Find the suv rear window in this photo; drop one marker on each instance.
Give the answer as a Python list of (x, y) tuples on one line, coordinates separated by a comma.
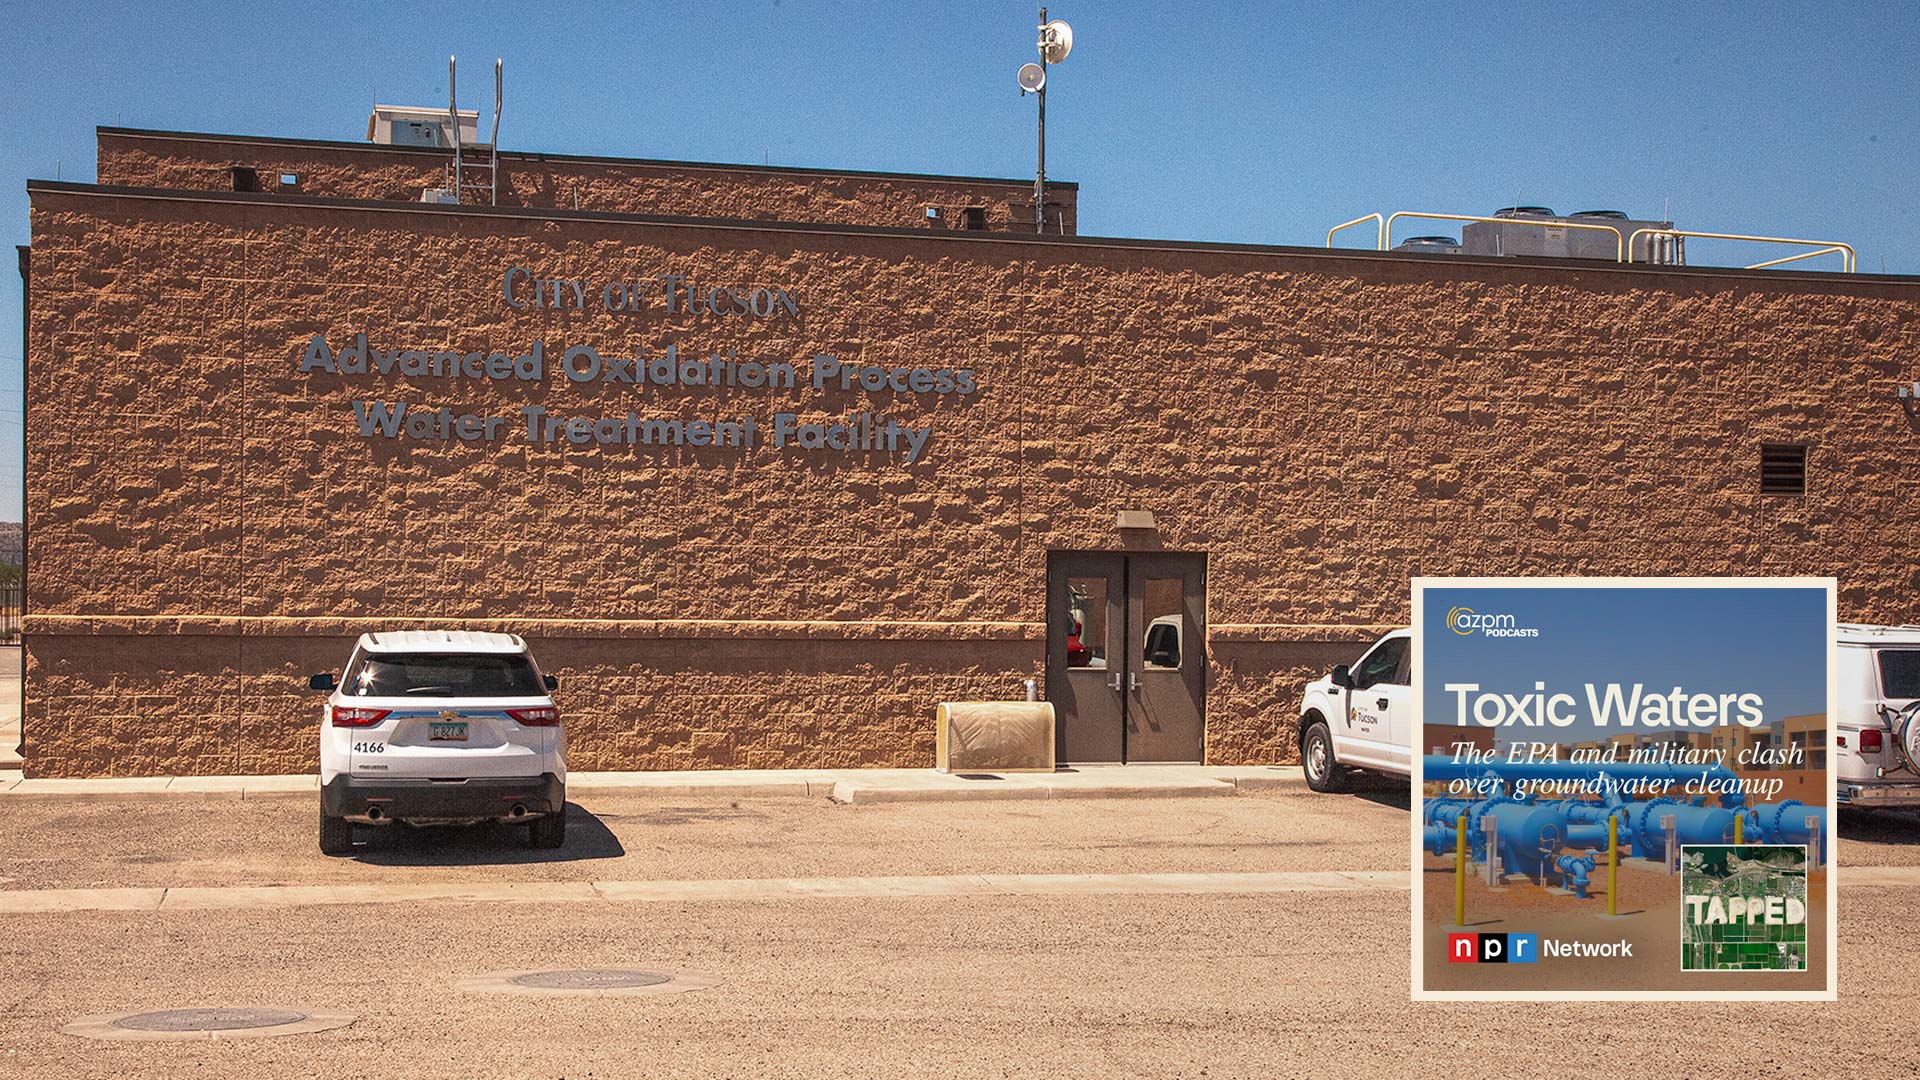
[(1900, 673), (442, 675)]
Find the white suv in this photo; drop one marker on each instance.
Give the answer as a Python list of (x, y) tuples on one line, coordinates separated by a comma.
[(435, 727)]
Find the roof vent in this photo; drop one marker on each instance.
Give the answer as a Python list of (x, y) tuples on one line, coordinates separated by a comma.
[(1610, 215), (1433, 245), (1524, 211)]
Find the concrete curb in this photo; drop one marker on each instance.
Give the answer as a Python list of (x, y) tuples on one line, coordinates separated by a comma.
[(699, 891), (852, 787), (121, 787)]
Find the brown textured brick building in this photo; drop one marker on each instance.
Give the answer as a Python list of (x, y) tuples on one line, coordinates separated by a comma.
[(767, 462)]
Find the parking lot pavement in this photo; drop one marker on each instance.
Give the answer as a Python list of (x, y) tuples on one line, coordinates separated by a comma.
[(1070, 982), (178, 841), (1879, 838)]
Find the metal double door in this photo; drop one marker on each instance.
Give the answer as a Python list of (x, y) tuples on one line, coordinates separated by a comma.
[(1126, 656)]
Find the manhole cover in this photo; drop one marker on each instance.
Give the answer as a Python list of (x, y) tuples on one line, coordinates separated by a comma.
[(586, 982), (208, 1019), (220, 1022), (590, 979)]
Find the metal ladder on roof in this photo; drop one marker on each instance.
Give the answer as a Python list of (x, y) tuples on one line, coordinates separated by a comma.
[(480, 159)]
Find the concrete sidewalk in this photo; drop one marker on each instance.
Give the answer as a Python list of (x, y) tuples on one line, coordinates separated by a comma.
[(853, 786)]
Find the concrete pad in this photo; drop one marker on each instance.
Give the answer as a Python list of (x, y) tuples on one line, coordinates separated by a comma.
[(38, 901), (8, 780)]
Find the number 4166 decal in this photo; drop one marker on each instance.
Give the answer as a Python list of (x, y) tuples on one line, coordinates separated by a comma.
[(369, 748)]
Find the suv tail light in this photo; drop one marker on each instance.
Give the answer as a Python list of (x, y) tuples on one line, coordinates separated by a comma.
[(340, 716), (545, 716), (1870, 740)]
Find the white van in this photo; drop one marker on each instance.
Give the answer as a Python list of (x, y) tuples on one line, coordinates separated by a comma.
[(1876, 741), (440, 727)]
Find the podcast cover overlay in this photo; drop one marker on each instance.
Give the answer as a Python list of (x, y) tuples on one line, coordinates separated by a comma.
[(1621, 788)]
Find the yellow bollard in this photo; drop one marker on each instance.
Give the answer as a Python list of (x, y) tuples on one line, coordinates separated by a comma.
[(1460, 871), (1739, 820), (1613, 864)]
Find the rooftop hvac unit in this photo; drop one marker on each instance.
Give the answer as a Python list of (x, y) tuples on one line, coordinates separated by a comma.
[(1432, 245), (450, 128), (405, 125), (1537, 231)]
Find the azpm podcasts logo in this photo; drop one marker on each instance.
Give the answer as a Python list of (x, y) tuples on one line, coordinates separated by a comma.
[(1467, 622)]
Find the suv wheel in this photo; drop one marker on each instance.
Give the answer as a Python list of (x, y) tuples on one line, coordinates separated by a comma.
[(548, 831), (336, 835), (1316, 758)]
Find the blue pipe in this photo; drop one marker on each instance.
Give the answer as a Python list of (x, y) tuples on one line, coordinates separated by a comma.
[(1787, 822), (1574, 870)]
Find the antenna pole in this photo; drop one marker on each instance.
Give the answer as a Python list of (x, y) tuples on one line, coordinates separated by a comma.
[(1040, 175), (453, 115), (499, 98)]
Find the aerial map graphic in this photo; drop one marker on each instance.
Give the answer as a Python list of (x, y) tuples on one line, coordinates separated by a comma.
[(1745, 907)]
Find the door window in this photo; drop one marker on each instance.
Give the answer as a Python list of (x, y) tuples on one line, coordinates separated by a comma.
[(1164, 619), (1383, 665), (1086, 623)]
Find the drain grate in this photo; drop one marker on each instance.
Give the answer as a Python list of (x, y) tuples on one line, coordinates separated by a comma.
[(590, 979), (208, 1019)]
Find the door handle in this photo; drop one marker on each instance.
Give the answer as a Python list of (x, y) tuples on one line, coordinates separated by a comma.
[(1113, 684), (1133, 681)]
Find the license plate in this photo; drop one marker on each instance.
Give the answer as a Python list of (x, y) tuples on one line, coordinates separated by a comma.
[(441, 731)]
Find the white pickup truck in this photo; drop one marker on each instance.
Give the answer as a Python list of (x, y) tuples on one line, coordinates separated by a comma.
[(1361, 716)]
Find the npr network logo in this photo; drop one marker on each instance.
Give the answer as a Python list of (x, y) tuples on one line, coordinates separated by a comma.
[(1493, 948)]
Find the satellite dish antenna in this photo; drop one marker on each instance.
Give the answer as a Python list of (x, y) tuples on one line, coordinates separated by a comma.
[(1032, 78), (1056, 41)]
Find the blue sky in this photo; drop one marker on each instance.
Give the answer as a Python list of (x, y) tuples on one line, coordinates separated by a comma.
[(1258, 122), (1768, 641)]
